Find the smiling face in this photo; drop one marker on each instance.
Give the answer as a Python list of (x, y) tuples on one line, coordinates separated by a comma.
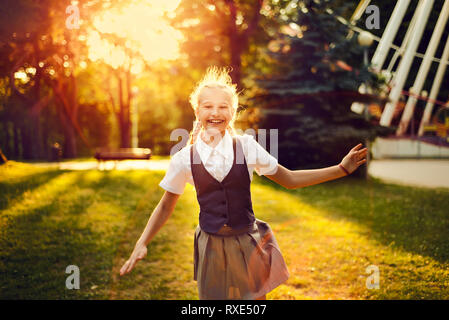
[(215, 109)]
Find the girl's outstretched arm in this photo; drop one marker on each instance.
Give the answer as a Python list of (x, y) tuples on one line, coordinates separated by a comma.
[(157, 219), (292, 179)]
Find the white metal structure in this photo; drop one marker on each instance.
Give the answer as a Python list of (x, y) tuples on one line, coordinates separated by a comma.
[(424, 68), (408, 52), (390, 32), (397, 78), (400, 76), (435, 88)]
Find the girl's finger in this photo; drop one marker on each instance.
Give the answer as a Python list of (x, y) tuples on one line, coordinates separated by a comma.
[(361, 155), (131, 265), (124, 267), (362, 152), (356, 147), (128, 268)]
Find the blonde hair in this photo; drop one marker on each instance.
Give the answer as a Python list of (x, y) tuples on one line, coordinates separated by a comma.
[(214, 78)]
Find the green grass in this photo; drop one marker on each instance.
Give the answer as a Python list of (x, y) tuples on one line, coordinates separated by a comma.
[(329, 234)]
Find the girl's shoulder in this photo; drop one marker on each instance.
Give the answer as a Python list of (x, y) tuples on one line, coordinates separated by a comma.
[(182, 156), (246, 139)]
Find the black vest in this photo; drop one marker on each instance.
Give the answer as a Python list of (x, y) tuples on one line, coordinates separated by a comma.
[(227, 202)]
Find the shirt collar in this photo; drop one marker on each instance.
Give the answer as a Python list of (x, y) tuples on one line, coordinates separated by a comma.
[(224, 147)]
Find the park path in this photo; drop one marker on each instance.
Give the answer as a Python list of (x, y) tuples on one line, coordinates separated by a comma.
[(119, 165), (413, 172)]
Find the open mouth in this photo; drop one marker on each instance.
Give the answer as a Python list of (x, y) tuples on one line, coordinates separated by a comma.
[(215, 121)]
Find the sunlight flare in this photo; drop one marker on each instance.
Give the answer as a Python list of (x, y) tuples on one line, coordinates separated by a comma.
[(138, 30)]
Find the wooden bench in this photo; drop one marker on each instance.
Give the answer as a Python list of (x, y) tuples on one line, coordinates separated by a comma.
[(107, 154)]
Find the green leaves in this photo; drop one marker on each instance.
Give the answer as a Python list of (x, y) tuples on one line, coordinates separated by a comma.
[(322, 71)]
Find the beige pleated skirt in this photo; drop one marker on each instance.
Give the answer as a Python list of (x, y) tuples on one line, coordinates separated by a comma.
[(245, 266)]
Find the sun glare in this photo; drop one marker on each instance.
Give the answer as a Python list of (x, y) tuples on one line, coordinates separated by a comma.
[(143, 30)]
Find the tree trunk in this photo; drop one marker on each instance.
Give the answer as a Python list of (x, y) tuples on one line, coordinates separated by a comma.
[(36, 113), (236, 60), (69, 146), (45, 146), (67, 113), (70, 150), (74, 116), (125, 135), (124, 117), (7, 139), (239, 40), (17, 154), (27, 150), (234, 44), (36, 136)]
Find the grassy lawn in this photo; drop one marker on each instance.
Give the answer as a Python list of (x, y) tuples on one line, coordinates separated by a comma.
[(329, 234)]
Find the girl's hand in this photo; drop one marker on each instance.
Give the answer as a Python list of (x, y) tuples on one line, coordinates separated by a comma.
[(354, 158), (139, 252)]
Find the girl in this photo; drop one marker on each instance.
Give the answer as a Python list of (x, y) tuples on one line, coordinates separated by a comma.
[(235, 255)]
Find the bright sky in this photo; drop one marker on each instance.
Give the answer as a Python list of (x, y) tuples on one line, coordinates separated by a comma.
[(144, 28)]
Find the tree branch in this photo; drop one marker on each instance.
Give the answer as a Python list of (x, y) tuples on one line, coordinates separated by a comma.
[(113, 108), (233, 16), (13, 81), (254, 21), (58, 90), (217, 9)]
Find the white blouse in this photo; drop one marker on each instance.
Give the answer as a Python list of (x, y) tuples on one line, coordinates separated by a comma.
[(217, 161)]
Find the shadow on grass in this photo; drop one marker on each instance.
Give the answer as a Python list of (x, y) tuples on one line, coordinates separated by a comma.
[(410, 218), (38, 244), (35, 264), (11, 191), (167, 272)]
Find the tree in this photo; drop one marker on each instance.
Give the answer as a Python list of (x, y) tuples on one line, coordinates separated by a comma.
[(309, 97), (21, 51), (135, 34), (226, 32), (37, 46)]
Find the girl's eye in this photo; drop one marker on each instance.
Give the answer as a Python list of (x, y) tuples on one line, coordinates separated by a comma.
[(209, 106)]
